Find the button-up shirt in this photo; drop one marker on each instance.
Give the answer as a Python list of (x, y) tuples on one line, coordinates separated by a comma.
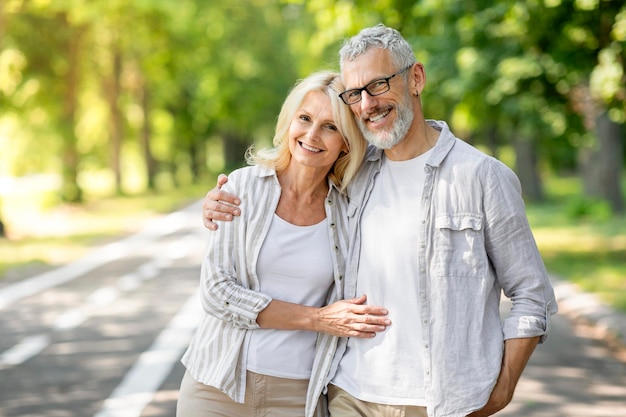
[(230, 287), (473, 243)]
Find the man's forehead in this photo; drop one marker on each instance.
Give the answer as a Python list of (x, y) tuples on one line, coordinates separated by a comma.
[(373, 64)]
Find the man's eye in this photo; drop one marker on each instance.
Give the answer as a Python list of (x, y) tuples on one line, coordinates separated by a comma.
[(377, 85), (354, 93)]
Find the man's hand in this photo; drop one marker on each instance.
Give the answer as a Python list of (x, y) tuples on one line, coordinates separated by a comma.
[(219, 205), (517, 352)]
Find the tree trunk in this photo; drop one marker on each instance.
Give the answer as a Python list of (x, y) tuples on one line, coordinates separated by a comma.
[(492, 140), (70, 191), (602, 166), (146, 137), (2, 23), (527, 169), (197, 156), (234, 150), (116, 125)]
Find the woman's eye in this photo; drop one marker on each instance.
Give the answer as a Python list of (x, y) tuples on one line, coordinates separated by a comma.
[(331, 127), (305, 118)]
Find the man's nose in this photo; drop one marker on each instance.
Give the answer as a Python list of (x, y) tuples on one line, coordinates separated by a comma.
[(368, 101)]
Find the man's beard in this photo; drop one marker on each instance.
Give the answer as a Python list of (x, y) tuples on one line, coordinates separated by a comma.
[(386, 139)]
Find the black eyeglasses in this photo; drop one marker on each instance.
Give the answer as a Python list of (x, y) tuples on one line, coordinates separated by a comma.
[(375, 88)]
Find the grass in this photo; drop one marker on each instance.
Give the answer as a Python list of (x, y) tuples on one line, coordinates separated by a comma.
[(578, 239), (39, 238)]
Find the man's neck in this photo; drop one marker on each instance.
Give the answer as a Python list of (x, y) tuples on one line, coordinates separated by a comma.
[(416, 142)]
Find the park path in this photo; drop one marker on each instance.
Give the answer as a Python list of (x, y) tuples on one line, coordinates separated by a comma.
[(103, 337)]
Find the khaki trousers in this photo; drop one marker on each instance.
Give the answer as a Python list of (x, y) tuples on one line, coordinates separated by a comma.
[(342, 404), (266, 396)]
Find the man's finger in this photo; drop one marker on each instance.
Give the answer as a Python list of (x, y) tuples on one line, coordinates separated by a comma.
[(221, 180)]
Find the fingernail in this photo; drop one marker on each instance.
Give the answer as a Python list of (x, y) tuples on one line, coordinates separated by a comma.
[(236, 211), (229, 217)]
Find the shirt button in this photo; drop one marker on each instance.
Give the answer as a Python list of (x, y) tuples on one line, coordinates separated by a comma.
[(425, 321), (425, 345)]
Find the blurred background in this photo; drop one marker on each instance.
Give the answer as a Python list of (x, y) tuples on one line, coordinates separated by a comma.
[(115, 111)]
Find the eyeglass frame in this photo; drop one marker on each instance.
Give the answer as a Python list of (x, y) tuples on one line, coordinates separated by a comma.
[(378, 80)]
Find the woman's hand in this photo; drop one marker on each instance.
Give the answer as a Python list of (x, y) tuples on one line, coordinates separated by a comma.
[(352, 318), (219, 205), (344, 318)]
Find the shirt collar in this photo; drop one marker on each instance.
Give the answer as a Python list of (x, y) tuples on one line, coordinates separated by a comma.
[(441, 149)]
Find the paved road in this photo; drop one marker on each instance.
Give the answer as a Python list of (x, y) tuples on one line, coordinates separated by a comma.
[(103, 337)]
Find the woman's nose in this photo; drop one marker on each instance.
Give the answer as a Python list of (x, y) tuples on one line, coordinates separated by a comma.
[(313, 132)]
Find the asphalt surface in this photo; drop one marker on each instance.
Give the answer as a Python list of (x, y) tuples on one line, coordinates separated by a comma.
[(103, 336)]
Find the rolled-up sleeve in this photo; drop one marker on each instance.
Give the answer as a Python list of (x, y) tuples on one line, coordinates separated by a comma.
[(514, 254)]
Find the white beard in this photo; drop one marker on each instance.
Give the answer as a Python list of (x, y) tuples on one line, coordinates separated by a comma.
[(388, 139)]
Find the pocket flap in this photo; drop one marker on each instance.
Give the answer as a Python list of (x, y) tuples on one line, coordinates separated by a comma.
[(459, 221)]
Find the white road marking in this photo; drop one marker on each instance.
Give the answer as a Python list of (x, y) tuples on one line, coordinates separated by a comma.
[(33, 345), (154, 365), (24, 350), (157, 228), (70, 319)]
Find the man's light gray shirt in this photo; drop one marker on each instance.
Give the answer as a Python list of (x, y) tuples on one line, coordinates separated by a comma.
[(474, 243)]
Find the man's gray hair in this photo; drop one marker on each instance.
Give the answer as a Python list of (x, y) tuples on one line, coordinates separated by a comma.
[(379, 36)]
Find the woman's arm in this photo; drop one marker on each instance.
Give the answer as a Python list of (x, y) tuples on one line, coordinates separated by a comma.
[(224, 297), (344, 318)]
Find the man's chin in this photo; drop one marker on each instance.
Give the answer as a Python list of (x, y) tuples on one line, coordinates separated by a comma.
[(379, 141)]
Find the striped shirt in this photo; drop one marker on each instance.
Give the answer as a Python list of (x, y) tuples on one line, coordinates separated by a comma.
[(230, 287)]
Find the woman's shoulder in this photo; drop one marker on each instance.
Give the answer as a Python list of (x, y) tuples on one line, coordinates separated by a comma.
[(249, 176)]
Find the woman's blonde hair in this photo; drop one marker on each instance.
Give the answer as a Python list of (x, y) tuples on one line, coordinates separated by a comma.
[(278, 157)]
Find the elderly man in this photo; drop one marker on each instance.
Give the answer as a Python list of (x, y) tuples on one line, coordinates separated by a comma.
[(437, 231)]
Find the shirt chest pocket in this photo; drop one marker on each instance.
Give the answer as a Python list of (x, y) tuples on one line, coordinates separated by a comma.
[(459, 245)]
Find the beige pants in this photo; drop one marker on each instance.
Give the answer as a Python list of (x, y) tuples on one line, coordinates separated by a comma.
[(342, 404), (266, 396)]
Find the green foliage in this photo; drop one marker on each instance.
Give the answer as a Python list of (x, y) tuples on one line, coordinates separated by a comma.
[(579, 241), (587, 208), (89, 85)]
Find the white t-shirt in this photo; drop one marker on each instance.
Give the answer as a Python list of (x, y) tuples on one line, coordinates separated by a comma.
[(388, 369), (294, 265)]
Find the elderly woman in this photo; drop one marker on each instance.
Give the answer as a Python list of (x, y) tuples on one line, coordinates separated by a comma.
[(271, 281)]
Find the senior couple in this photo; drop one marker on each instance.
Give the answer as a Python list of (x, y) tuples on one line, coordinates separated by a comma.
[(355, 280)]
